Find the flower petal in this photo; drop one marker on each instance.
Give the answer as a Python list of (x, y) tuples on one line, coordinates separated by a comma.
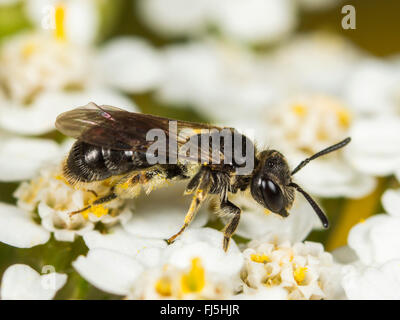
[(206, 244), (108, 270), (119, 240), (21, 158), (21, 282), (256, 20), (381, 283), (333, 178), (256, 224), (17, 228), (39, 117), (130, 64), (174, 17), (377, 153), (391, 202), (376, 240), (161, 214)]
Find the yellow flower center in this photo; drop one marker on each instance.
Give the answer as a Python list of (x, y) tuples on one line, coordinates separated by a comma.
[(299, 110), (299, 274), (259, 258), (28, 49), (59, 22), (164, 287), (194, 280)]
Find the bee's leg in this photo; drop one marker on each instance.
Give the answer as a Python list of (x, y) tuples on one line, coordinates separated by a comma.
[(107, 198), (230, 209), (203, 184)]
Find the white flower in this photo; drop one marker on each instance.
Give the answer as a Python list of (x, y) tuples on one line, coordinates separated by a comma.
[(375, 274), (130, 64), (42, 77), (373, 283), (132, 266), (21, 282), (249, 21), (303, 270), (35, 62), (21, 158), (315, 62), (18, 229), (44, 205), (175, 17), (214, 77), (373, 87), (259, 223), (170, 282), (377, 239), (256, 21), (161, 213), (378, 153), (303, 126), (80, 19), (108, 270)]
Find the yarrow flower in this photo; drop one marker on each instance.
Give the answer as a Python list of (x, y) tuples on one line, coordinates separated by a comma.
[(44, 206), (302, 126), (21, 282), (372, 255), (302, 270), (42, 77), (170, 282), (194, 266), (253, 21)]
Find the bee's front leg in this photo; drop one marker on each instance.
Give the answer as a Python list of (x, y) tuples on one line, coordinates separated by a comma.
[(230, 209), (201, 182)]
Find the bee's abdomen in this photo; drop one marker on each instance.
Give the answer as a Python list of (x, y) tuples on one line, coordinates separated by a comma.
[(88, 163)]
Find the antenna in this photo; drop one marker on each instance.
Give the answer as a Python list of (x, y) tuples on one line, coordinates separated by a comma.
[(321, 215), (330, 149)]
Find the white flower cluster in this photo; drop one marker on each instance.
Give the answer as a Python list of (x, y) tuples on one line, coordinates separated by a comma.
[(298, 96)]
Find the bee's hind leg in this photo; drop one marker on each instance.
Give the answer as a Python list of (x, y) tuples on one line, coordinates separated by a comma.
[(230, 209), (107, 198), (202, 183)]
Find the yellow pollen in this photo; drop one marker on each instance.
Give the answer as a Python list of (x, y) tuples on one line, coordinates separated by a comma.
[(62, 178), (28, 50), (267, 212), (59, 21), (194, 280), (299, 110), (124, 185), (163, 287), (98, 211), (344, 117), (362, 220), (300, 274), (259, 258)]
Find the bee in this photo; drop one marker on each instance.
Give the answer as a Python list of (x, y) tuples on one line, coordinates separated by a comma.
[(113, 144)]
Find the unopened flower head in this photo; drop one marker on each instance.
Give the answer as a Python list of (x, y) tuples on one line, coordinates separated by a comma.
[(302, 269)]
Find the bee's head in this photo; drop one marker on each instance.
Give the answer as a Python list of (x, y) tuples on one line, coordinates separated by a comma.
[(272, 185)]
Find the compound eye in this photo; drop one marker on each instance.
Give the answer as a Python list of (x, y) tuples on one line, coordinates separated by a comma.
[(272, 195)]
